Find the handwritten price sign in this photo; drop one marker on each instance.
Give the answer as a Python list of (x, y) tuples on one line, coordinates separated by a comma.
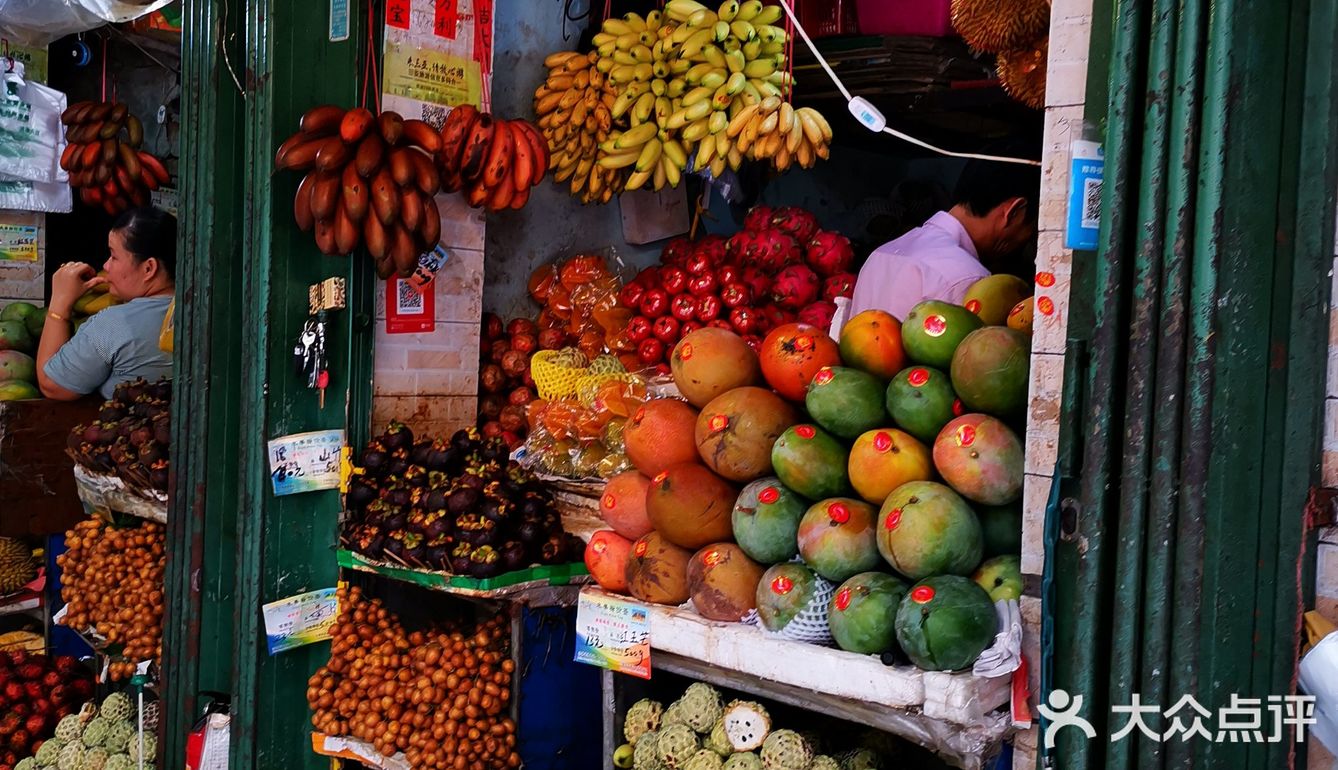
[(613, 633), (300, 620), (304, 462)]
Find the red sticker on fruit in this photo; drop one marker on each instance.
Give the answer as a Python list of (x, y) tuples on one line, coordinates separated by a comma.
[(882, 441), (958, 409), (839, 513), (893, 519), (843, 599), (803, 342), (719, 423), (769, 495), (609, 500), (640, 549), (685, 352), (1045, 280), (805, 431), (966, 435), (935, 325), (660, 478), (918, 377), (973, 305), (1045, 305), (922, 594), (823, 376), (639, 416), (782, 585), (712, 557)]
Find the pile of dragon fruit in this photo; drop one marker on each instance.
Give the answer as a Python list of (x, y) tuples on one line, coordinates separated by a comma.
[(780, 268)]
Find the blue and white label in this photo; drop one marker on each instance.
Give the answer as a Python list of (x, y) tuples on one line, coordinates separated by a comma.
[(1084, 225), (338, 20)]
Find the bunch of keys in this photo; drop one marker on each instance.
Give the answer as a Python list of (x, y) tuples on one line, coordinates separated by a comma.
[(309, 357)]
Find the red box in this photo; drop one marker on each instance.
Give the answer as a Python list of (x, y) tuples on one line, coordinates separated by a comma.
[(824, 18), (931, 18)]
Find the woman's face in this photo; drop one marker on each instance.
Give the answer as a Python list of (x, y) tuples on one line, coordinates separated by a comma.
[(129, 278)]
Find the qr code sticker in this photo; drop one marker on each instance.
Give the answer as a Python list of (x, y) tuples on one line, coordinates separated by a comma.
[(434, 115), (408, 300), (1091, 203)]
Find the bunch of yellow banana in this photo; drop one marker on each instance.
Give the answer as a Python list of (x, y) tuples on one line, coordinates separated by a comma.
[(774, 130), (575, 109)]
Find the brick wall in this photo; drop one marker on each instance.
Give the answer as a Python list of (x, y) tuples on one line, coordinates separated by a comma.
[(24, 280)]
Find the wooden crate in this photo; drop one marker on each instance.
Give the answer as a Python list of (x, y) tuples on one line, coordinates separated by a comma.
[(36, 476)]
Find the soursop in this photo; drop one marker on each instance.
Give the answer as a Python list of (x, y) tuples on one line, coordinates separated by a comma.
[(50, 752), (743, 760), (96, 758), (70, 757), (786, 750), (718, 740), (69, 728), (824, 762), (117, 707), (700, 706), (645, 754), (643, 717), (150, 748), (746, 725), (675, 745), (705, 759), (95, 733)]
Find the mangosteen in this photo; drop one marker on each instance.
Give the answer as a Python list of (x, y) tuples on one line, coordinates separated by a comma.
[(416, 521), (397, 495), (436, 499), (514, 556), (438, 524), (369, 541), (144, 409), (459, 563), (152, 452), (397, 436), (438, 557), (440, 457), (394, 547), (101, 459), (111, 412), (471, 481), (474, 529), (399, 463), (575, 547), (462, 500), (415, 476), (396, 520), (141, 434), (494, 450), (361, 491), (162, 389), (103, 434), (415, 550), (162, 430), (496, 511), (75, 438), (531, 531), (375, 459), (485, 562), (128, 392), (420, 453), (121, 453), (554, 550), (532, 507), (378, 512)]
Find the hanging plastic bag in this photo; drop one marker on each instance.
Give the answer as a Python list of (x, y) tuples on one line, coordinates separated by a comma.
[(51, 197), (1319, 677), (42, 22), (31, 135)]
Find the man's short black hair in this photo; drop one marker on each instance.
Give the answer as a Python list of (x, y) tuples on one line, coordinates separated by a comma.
[(984, 184)]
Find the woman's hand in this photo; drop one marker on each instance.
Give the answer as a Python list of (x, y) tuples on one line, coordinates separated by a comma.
[(69, 283)]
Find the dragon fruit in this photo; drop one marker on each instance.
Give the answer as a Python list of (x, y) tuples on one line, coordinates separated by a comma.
[(829, 253), (818, 314), (676, 251), (800, 224), (757, 280), (768, 249), (712, 247), (759, 218), (796, 287), (839, 285), (770, 316)]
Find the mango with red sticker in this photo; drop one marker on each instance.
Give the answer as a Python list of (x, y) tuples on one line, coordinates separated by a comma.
[(812, 462), (766, 520), (945, 622), (981, 458), (723, 582), (836, 538), (1020, 317), (927, 529), (920, 401), (990, 371), (785, 591), (847, 402), (709, 362), (882, 460), (736, 430), (993, 296), (863, 612), (933, 329)]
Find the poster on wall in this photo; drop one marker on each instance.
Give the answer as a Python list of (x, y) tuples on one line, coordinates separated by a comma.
[(436, 54), (410, 310)]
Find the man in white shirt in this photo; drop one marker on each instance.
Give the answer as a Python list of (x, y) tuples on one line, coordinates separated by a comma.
[(994, 214)]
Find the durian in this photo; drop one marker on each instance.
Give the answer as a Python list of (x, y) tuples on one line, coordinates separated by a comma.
[(718, 740), (95, 733), (17, 566), (704, 759), (1023, 71), (70, 757), (645, 754), (786, 750), (643, 717), (675, 745), (700, 706), (746, 725), (117, 707), (50, 752), (998, 25), (743, 760)]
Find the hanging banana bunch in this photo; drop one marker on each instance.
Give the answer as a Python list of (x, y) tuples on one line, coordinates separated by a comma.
[(575, 107)]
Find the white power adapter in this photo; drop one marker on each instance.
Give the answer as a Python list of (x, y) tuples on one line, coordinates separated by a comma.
[(867, 114)]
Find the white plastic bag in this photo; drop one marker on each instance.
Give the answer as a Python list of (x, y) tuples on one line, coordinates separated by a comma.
[(31, 135), (42, 22), (51, 197), (1319, 677)]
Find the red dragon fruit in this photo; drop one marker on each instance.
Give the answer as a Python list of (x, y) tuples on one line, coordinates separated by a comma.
[(818, 314), (757, 280), (839, 285), (800, 224), (676, 251), (769, 249), (796, 286), (712, 247), (759, 218), (829, 253)]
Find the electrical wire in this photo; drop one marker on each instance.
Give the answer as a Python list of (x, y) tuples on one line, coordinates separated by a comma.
[(785, 5)]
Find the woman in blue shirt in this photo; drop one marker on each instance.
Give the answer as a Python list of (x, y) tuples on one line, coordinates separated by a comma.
[(121, 342)]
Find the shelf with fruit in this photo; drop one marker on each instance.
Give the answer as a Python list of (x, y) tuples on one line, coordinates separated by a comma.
[(122, 456), (36, 693)]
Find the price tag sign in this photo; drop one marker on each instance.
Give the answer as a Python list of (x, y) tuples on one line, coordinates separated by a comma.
[(18, 243), (304, 462), (300, 620), (613, 633)]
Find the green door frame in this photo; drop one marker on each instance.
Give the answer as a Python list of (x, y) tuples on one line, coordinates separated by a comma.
[(251, 71), (1204, 394)]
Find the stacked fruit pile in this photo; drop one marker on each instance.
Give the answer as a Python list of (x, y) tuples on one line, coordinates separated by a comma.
[(703, 731), (581, 436), (836, 473), (17, 565), (113, 585), (36, 692), (494, 161), (439, 695), (131, 437), (105, 738), (779, 268), (461, 506), (20, 329), (688, 88), (579, 301), (505, 384), (108, 169)]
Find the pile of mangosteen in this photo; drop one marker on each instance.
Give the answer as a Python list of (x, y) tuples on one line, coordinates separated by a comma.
[(131, 436), (460, 506)]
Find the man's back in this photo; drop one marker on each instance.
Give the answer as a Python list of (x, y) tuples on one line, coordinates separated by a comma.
[(934, 261)]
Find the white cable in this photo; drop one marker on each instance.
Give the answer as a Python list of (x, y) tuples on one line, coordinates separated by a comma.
[(785, 5)]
